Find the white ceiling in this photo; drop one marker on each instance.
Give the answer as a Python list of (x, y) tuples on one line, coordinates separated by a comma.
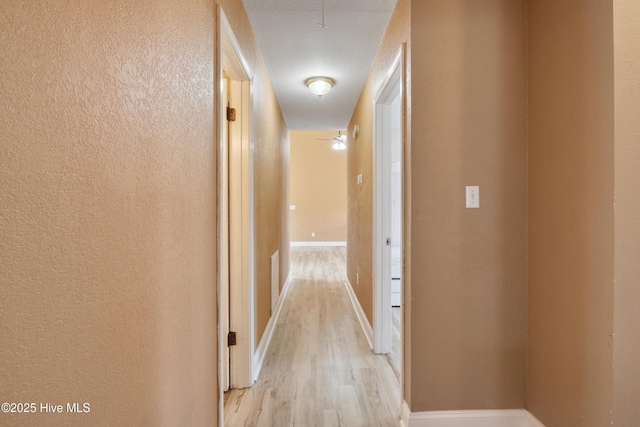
[(295, 47)]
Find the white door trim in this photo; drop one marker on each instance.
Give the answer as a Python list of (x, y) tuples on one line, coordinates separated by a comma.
[(231, 61), (389, 89)]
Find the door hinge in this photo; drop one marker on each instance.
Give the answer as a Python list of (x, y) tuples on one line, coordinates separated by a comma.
[(231, 114), (231, 339)]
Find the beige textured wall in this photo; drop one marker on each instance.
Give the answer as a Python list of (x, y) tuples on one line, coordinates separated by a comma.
[(626, 392), (318, 183), (468, 266), (360, 161), (569, 379), (271, 154), (107, 211)]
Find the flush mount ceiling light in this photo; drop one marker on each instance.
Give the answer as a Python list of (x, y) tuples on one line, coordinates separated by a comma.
[(320, 85)]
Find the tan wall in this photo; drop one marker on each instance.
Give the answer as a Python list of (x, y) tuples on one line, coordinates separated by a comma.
[(108, 220), (468, 266), (360, 161), (318, 184), (271, 154), (626, 392), (571, 165), (107, 188)]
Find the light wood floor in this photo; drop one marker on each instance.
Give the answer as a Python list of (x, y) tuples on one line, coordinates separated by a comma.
[(394, 356), (319, 370)]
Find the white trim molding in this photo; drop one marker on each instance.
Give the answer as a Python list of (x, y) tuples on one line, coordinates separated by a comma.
[(405, 413), (479, 418), (261, 351), (318, 243), (385, 138), (362, 318), (236, 305), (533, 421)]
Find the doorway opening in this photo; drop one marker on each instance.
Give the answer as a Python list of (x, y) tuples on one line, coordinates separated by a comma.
[(235, 224), (388, 203)]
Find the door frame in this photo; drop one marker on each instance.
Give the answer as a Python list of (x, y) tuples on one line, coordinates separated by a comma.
[(231, 61), (392, 86)]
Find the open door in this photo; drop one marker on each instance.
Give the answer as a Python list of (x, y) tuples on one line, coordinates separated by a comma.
[(235, 195), (224, 245), (388, 204)]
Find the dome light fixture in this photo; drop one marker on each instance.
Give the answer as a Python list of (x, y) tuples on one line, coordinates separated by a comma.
[(320, 85)]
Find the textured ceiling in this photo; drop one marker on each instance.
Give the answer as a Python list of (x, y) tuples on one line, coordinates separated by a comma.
[(296, 47)]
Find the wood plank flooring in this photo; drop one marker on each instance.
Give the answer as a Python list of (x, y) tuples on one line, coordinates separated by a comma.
[(319, 370), (394, 356)]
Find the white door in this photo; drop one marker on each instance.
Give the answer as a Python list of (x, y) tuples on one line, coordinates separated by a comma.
[(224, 245), (394, 119), (388, 204), (235, 195)]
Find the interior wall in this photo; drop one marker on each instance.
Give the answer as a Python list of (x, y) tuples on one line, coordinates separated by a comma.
[(270, 180), (318, 183), (571, 181), (360, 161), (107, 224), (626, 392), (468, 266)]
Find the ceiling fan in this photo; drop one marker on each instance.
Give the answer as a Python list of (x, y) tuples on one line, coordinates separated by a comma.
[(339, 141)]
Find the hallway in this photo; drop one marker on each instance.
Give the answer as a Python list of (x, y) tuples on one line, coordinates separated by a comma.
[(319, 370)]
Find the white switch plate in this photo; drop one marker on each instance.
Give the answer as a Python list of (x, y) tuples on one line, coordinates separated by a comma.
[(473, 196), (360, 179), (292, 207)]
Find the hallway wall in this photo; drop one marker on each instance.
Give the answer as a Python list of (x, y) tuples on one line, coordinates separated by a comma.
[(626, 321), (469, 266), (271, 163), (318, 185), (360, 161), (571, 182), (107, 212)]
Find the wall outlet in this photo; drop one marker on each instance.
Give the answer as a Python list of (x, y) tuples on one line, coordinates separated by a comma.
[(313, 234)]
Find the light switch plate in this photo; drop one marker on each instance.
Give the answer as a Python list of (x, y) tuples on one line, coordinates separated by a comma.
[(473, 196), (360, 179)]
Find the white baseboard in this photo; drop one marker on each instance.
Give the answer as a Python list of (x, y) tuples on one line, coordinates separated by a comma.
[(405, 413), (480, 418), (318, 243), (362, 318), (533, 421), (261, 351)]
